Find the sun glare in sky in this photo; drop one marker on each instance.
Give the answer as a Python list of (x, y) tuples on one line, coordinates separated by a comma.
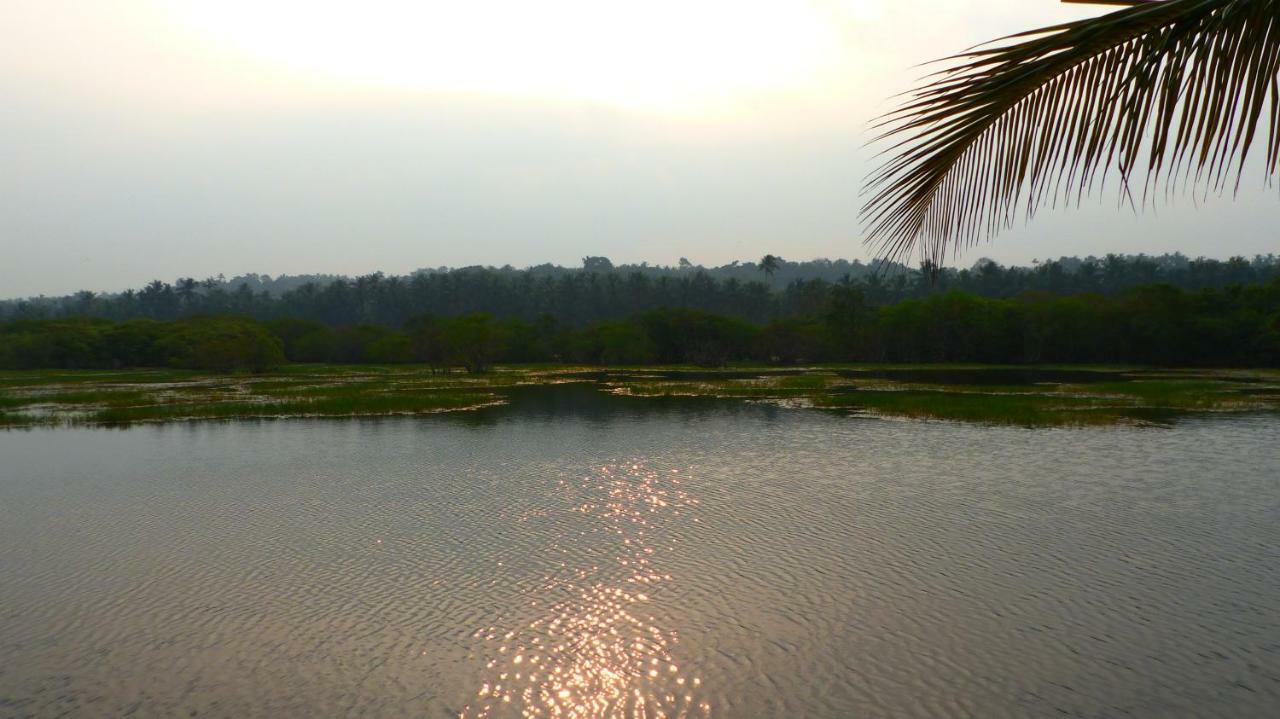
[(659, 54)]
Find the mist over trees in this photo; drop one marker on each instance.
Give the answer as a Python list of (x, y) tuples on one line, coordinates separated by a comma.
[(599, 291)]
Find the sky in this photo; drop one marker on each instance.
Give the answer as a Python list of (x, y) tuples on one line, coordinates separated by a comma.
[(145, 139)]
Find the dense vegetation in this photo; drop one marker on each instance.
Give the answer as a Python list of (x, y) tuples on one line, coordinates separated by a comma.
[(1153, 325), (214, 343), (600, 292)]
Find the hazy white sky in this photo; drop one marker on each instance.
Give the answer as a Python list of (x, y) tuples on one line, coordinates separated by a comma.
[(145, 139)]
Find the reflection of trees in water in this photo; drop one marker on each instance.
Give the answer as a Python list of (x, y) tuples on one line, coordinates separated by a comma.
[(600, 653)]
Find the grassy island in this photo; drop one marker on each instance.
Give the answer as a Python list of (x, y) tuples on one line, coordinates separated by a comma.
[(1011, 395)]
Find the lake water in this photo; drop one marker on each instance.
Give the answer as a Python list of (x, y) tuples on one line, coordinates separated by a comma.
[(581, 555)]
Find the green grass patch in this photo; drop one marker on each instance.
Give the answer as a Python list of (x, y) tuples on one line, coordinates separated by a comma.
[(35, 398), (31, 398), (806, 381), (352, 406), (1027, 410), (1172, 394)]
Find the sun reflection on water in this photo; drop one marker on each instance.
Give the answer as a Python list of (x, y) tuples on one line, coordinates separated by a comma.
[(600, 653)]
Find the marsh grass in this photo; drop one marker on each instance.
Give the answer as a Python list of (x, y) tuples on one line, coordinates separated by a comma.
[(1190, 393), (335, 406), (45, 378), (806, 381), (1028, 410), (1146, 397), (69, 398), (16, 419), (127, 396)]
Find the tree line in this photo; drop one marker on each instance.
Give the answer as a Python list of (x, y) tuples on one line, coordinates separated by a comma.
[(599, 291), (1151, 325)]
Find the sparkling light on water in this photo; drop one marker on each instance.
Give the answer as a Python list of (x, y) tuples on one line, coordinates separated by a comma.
[(600, 652)]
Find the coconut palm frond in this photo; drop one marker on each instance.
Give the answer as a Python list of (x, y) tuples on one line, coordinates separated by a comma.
[(1179, 89)]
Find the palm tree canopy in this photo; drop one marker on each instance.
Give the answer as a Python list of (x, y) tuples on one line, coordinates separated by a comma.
[(1178, 90)]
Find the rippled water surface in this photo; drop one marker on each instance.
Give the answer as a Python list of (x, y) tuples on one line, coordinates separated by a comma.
[(580, 555)]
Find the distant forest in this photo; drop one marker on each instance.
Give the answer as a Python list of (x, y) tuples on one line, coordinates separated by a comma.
[(600, 292), (1236, 326)]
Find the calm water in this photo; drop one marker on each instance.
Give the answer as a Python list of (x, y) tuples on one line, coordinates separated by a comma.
[(578, 555)]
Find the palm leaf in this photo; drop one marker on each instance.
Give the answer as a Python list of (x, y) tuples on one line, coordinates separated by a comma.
[(1177, 91)]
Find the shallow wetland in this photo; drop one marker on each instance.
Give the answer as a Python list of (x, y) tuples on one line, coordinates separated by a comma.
[(1037, 396)]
